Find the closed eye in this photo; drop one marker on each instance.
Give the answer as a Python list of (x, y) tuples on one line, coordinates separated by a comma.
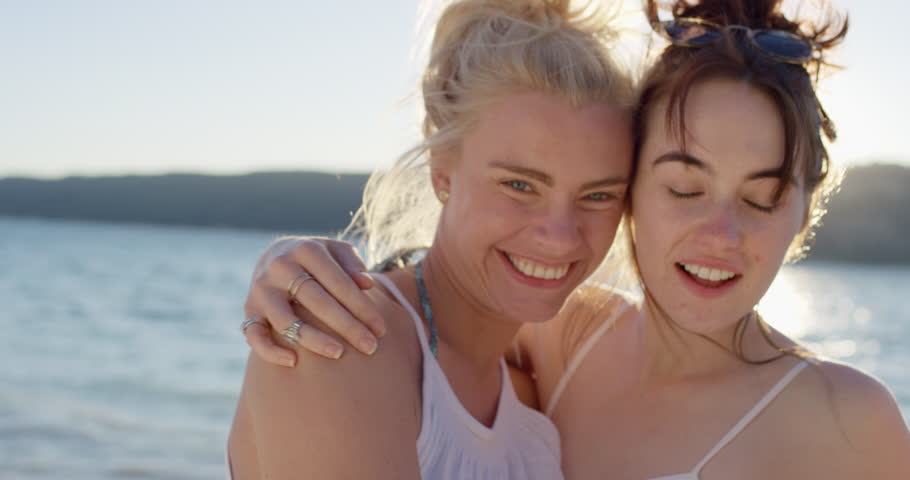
[(679, 194), (760, 207)]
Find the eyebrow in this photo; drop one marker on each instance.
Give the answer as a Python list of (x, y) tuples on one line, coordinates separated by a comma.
[(771, 173), (528, 172), (695, 162), (548, 180), (684, 158)]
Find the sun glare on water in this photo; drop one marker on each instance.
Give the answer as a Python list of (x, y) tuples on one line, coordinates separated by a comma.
[(786, 306)]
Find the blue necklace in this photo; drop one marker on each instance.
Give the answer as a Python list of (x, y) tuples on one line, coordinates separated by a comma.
[(427, 311)]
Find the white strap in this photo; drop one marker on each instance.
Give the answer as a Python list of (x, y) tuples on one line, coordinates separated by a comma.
[(579, 356), (758, 408)]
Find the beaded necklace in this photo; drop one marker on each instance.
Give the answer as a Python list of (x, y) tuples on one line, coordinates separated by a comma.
[(427, 311)]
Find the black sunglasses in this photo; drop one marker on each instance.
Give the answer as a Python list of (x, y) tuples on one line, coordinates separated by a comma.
[(779, 44)]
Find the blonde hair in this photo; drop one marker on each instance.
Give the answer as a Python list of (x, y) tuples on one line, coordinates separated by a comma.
[(481, 51)]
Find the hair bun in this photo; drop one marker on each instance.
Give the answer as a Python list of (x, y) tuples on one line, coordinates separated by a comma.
[(819, 22)]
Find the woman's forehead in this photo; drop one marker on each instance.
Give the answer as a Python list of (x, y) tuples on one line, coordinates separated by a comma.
[(724, 120)]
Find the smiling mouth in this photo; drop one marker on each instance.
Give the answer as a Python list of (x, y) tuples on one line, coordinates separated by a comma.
[(707, 277), (533, 269)]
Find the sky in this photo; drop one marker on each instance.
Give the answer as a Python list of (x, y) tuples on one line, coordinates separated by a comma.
[(109, 87)]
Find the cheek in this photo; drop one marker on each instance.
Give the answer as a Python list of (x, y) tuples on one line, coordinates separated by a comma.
[(771, 244), (483, 215), (602, 227), (653, 217)]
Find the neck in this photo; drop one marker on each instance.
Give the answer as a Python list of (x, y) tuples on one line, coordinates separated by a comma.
[(476, 335), (671, 352)]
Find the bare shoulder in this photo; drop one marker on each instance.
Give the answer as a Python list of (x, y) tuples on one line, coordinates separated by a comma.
[(853, 420), (866, 406), (585, 310), (593, 308), (547, 349), (315, 417)]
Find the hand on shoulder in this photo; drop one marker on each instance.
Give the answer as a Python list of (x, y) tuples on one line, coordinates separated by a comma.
[(309, 418)]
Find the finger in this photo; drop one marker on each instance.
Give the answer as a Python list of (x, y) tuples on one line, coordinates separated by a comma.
[(327, 309), (346, 255), (319, 342), (279, 312), (351, 263), (275, 306), (258, 337), (363, 280), (320, 263)]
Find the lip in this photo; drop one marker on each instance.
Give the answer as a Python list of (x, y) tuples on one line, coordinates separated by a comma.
[(549, 283), (703, 291)]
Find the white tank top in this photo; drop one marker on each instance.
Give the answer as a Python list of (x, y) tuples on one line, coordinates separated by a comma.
[(522, 444), (744, 422)]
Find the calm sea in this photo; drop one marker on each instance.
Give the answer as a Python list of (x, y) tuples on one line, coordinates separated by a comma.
[(121, 358)]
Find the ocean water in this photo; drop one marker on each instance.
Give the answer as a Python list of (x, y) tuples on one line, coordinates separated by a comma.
[(120, 356)]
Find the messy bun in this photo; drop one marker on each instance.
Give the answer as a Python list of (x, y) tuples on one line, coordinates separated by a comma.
[(482, 50)]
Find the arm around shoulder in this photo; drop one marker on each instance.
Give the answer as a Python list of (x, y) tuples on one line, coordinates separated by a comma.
[(357, 417)]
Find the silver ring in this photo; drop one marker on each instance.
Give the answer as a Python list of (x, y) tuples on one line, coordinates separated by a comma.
[(296, 283), (246, 323), (292, 333)]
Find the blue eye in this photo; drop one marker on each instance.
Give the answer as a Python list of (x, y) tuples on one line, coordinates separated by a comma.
[(683, 194), (519, 185), (600, 196)]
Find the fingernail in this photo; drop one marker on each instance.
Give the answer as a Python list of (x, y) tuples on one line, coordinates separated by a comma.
[(333, 351), (379, 328), (367, 345), (287, 361)]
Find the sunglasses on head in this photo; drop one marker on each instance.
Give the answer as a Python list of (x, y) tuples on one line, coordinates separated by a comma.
[(779, 44)]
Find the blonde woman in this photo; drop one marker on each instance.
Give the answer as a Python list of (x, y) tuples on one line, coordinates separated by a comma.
[(503, 112), (730, 175)]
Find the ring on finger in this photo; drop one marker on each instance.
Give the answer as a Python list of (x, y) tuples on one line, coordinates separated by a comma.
[(292, 333), (246, 323), (296, 283)]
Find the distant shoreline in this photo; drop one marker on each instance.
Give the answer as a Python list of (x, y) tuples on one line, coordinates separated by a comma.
[(868, 222)]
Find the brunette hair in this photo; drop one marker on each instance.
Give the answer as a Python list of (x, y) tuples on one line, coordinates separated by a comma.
[(790, 86)]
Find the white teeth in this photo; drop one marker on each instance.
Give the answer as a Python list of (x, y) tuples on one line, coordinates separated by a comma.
[(710, 274), (536, 270)]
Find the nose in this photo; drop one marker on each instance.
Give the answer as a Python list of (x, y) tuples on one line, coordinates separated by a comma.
[(558, 231), (721, 229)]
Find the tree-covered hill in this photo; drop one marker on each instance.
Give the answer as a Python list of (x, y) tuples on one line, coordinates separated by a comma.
[(868, 221), (277, 201)]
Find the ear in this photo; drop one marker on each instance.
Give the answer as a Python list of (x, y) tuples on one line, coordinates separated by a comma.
[(441, 166), (442, 182)]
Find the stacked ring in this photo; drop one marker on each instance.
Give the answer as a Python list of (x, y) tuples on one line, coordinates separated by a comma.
[(292, 333), (296, 283), (246, 323)]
